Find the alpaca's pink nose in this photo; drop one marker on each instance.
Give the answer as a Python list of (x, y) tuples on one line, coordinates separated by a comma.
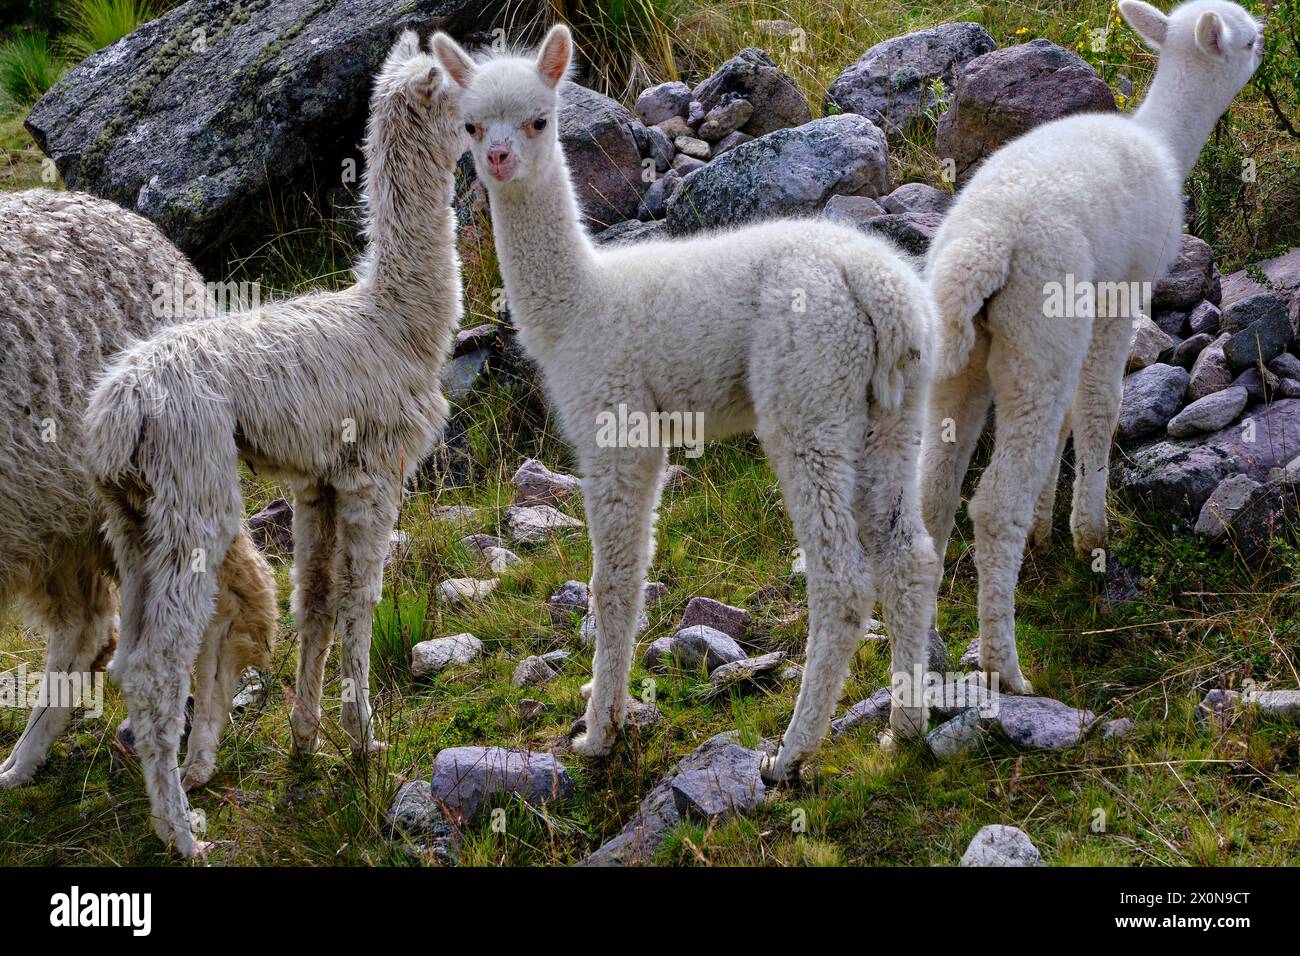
[(501, 162)]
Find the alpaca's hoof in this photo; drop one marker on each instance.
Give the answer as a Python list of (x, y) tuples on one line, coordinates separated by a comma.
[(15, 777), (197, 774), (583, 741), (1088, 541), (1015, 683), (775, 771), (372, 746), (591, 745)]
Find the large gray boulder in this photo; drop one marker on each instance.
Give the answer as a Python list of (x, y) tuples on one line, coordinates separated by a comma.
[(787, 173), (1003, 94), (754, 76), (599, 137), (1152, 397), (891, 83), (198, 116)]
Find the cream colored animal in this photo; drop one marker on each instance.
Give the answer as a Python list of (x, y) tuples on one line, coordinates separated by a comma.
[(80, 279), (1078, 202), (338, 393), (815, 338)]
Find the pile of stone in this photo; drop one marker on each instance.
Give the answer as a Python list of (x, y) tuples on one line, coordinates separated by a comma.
[(1210, 420)]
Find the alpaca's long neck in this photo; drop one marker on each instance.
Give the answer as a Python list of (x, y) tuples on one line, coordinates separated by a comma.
[(546, 259), (1181, 108), (410, 262)]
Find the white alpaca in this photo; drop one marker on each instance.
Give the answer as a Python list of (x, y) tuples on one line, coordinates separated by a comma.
[(1093, 199), (338, 393), (80, 279), (814, 337)]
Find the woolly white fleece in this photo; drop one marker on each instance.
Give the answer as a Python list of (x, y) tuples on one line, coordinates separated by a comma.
[(811, 335), (337, 392), (1088, 199)]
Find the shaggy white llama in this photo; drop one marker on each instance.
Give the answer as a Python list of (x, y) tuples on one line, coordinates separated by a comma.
[(816, 340), (1092, 199), (338, 393), (80, 279)]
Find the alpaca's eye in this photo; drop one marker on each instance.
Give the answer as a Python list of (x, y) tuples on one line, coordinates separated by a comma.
[(539, 124), (471, 129)]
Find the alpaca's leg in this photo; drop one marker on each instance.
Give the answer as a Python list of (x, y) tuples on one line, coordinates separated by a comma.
[(179, 592), (958, 410), (365, 519), (1041, 531), (314, 545), (1094, 417), (216, 674), (1033, 384), (620, 488), (899, 547), (78, 607), (817, 474)]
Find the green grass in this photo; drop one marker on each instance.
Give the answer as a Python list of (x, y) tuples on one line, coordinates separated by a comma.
[(95, 24), (28, 67)]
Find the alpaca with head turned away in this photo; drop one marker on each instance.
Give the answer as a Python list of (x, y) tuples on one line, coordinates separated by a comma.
[(1091, 201), (817, 343), (80, 280), (338, 393)]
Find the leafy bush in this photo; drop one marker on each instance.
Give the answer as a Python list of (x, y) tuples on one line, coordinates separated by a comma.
[(95, 24), (1277, 76), (28, 67)]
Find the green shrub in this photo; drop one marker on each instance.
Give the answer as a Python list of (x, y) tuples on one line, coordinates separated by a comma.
[(95, 24), (28, 67)]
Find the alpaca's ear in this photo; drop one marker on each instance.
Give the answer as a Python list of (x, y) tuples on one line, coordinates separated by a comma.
[(1212, 34), (458, 64), (407, 45), (553, 60), (1151, 25)]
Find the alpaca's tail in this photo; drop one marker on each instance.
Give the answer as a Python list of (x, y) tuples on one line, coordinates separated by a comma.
[(963, 274), (903, 318)]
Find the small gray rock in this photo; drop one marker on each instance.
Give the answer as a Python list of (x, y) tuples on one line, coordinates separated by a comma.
[(1206, 317), (1261, 341), (917, 197), (1149, 340), (695, 148), (660, 148), (532, 671), (729, 142), (1042, 723), (684, 165), (663, 102), (732, 621), (572, 598), (875, 709), (535, 484), (1285, 366), (1244, 313), (1189, 279), (999, 845), (699, 642), (852, 210), (727, 117), (1115, 729), (961, 734), (1188, 350), (754, 76), (1152, 396), (730, 784), (464, 778), (537, 523), (1211, 371), (745, 669), (659, 653), (429, 657), (1209, 414)]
